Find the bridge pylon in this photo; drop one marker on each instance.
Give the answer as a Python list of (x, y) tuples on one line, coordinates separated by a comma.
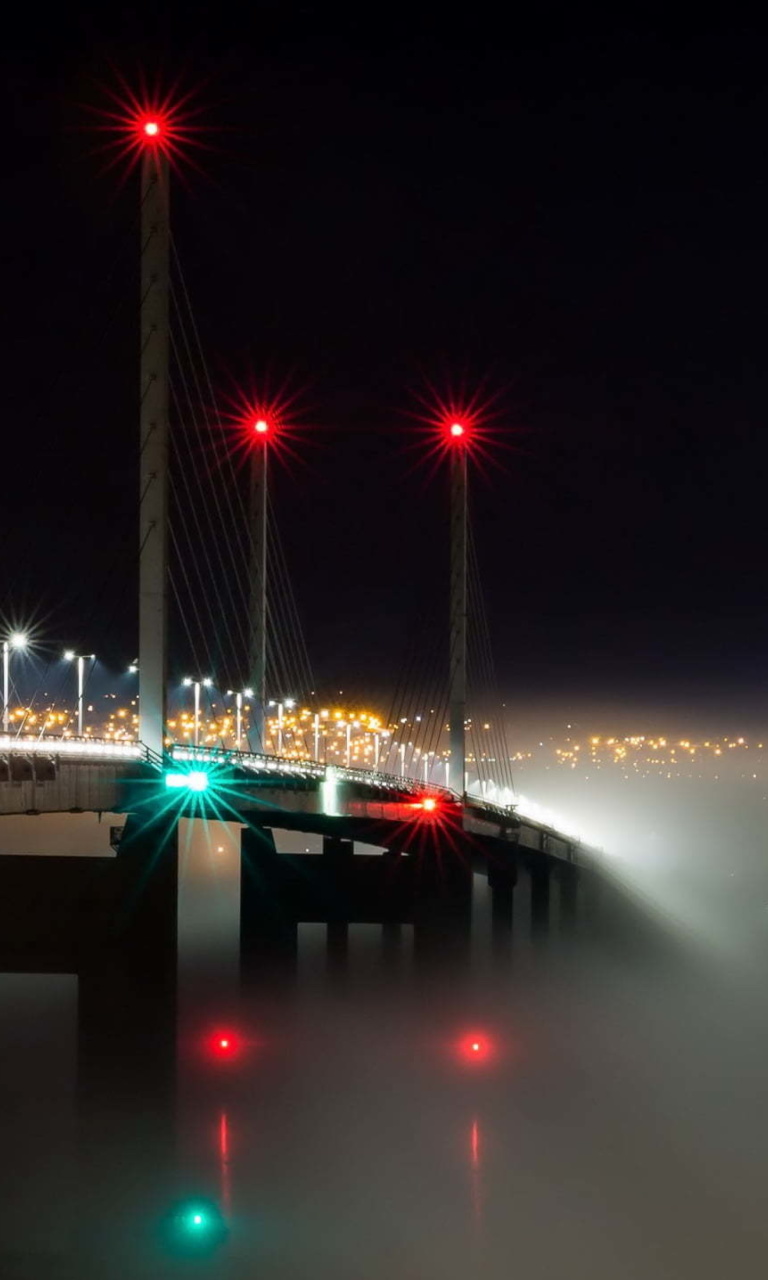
[(457, 657), (257, 611), (153, 425)]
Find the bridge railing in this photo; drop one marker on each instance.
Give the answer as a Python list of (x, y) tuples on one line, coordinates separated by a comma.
[(99, 748), (108, 749)]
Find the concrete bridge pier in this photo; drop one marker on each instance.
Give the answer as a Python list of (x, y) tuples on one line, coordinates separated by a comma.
[(442, 908), (502, 878), (539, 871), (268, 928), (337, 855), (568, 880)]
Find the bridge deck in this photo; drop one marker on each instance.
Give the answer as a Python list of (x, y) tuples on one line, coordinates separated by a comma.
[(69, 776)]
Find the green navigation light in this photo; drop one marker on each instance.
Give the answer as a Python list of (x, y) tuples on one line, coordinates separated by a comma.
[(195, 780)]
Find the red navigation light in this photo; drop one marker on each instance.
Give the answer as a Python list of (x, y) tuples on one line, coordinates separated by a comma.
[(151, 128), (457, 429), (261, 426)]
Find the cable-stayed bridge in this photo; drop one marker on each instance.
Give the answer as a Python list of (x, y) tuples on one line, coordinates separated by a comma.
[(209, 551)]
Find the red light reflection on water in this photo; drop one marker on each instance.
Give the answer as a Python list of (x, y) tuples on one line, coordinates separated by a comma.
[(476, 1047), (226, 1188)]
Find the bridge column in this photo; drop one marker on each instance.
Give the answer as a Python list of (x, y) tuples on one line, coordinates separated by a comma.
[(337, 855), (337, 849), (539, 872), (268, 925), (442, 911), (502, 880), (568, 878), (153, 455), (257, 640), (457, 697)]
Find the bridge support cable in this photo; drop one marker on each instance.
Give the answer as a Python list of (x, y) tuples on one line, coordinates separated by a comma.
[(207, 507), (289, 670), (485, 690), (217, 544), (418, 710)]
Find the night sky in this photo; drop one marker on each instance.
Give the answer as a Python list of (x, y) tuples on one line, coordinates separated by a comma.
[(570, 218)]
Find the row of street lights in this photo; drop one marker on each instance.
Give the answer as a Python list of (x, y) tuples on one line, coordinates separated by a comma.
[(17, 641)]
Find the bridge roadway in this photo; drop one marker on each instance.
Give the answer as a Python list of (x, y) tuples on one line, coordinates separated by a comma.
[(77, 776), (69, 913)]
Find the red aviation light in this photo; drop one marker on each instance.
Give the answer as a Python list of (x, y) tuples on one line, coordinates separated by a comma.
[(457, 430), (261, 427), (151, 128)]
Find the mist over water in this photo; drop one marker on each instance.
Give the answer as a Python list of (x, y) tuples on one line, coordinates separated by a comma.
[(613, 1125)]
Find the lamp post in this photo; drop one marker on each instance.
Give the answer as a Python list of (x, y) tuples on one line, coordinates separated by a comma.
[(80, 659), (290, 703), (206, 683), (244, 693), (16, 640)]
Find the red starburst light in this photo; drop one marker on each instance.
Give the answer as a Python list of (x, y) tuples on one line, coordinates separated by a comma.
[(459, 422), (149, 122), (255, 420)]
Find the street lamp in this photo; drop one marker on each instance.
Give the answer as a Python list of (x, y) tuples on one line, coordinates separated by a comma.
[(16, 640), (206, 682), (80, 659), (290, 703), (244, 693)]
